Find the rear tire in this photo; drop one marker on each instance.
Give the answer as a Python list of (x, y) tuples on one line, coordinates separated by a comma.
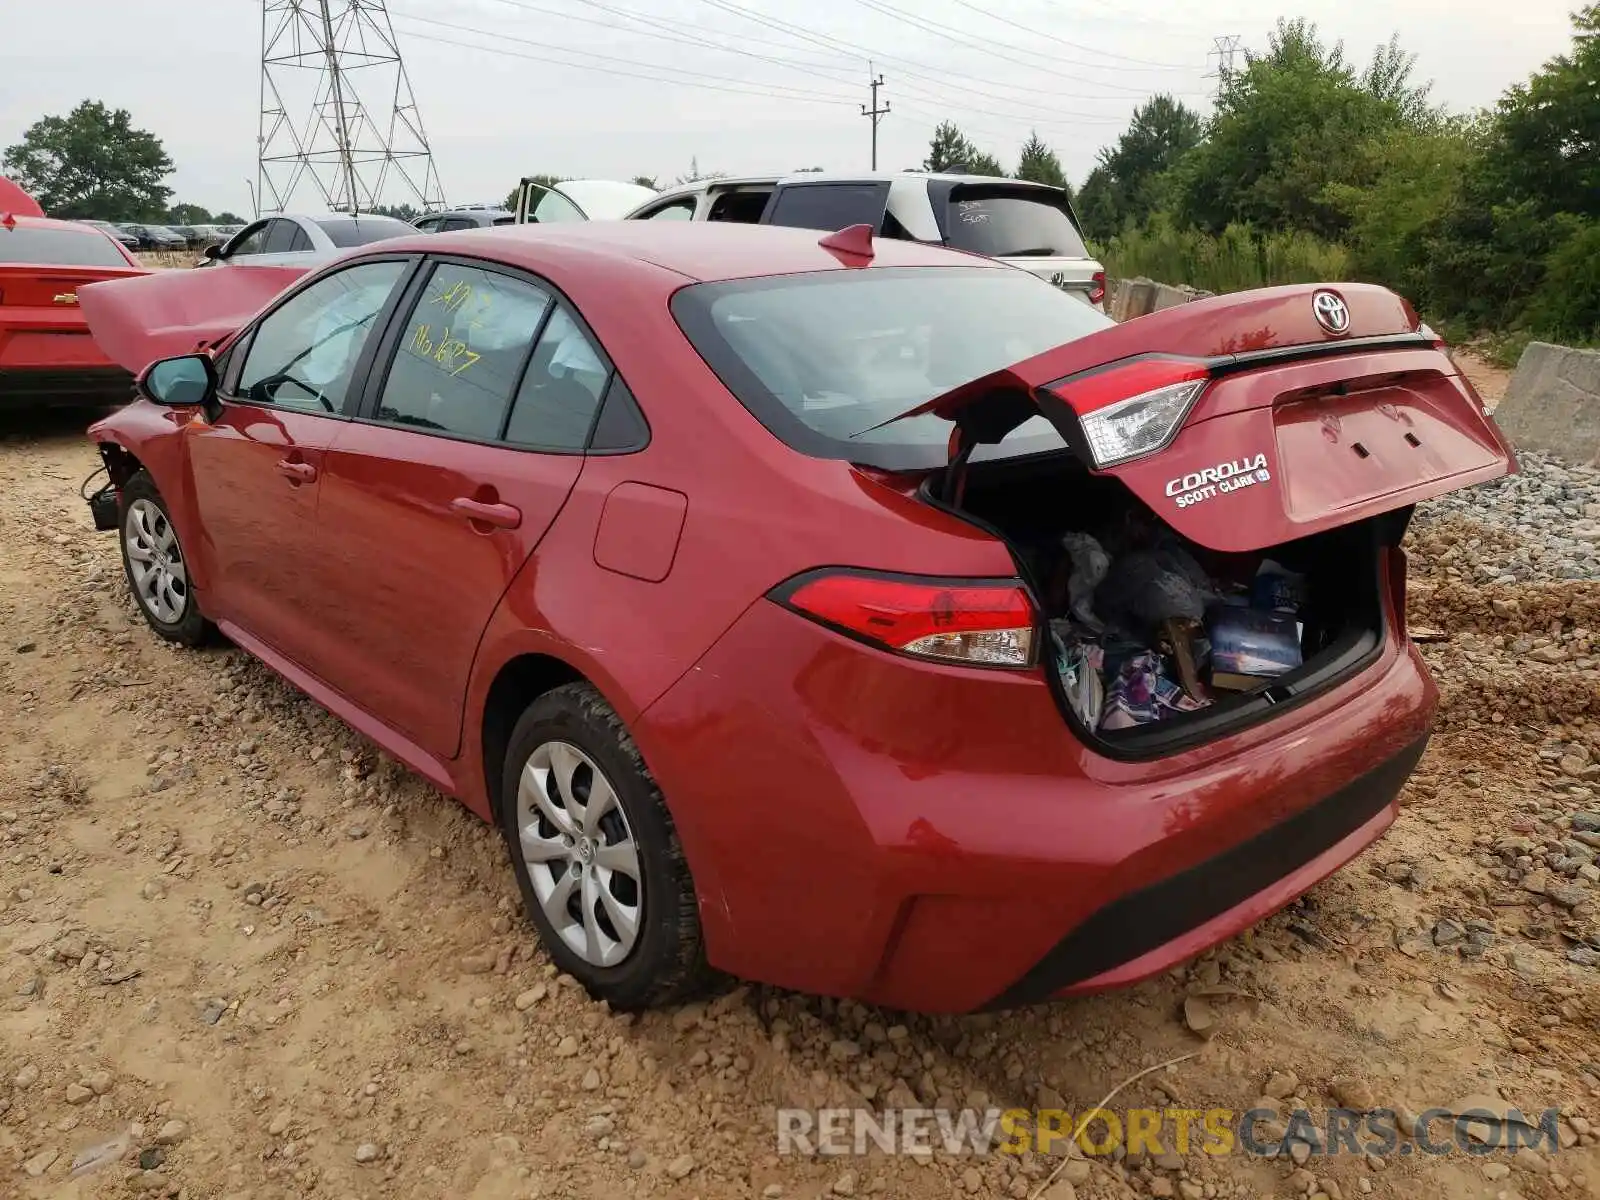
[(596, 855), (156, 566)]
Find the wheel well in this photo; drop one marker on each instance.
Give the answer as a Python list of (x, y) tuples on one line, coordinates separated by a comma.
[(520, 682), (121, 465)]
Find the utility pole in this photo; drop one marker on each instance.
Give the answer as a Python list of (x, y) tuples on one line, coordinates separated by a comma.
[(875, 113), (1224, 49)]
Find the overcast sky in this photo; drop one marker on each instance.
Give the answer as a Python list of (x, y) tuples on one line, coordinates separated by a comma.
[(507, 87)]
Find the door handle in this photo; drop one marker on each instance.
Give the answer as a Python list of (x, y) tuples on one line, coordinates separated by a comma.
[(297, 472), (503, 516)]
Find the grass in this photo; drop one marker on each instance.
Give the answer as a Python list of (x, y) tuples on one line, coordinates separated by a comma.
[(1237, 260), (168, 258)]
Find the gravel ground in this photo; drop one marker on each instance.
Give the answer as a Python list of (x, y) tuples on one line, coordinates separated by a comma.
[(243, 955)]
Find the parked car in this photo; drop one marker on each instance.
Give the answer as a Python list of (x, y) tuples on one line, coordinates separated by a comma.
[(154, 237), (46, 354), (303, 240), (716, 566), (578, 200), (464, 218), (125, 239), (1030, 225), (194, 236)]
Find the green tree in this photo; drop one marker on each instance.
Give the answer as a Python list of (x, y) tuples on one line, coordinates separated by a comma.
[(400, 212), (1135, 172), (92, 163), (225, 218), (1296, 120), (981, 163), (1039, 163), (189, 214), (949, 148)]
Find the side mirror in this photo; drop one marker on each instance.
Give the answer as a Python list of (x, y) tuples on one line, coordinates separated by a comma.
[(212, 251), (183, 382)]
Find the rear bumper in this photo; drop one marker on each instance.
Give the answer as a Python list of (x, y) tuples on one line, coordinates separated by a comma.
[(935, 838), (1142, 933), (72, 387)]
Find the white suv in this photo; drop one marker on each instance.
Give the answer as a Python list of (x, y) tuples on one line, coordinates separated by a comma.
[(1030, 225)]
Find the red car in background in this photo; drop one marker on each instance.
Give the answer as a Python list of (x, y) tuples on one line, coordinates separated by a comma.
[(46, 354), (717, 565)]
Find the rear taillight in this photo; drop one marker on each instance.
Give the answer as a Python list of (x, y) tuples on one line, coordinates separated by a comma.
[(975, 622), (1133, 408), (1097, 293)]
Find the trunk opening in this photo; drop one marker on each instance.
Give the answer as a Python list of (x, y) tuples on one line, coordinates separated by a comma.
[(1336, 627)]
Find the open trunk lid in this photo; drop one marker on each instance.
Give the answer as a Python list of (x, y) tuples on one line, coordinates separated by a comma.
[(135, 322), (1250, 420)]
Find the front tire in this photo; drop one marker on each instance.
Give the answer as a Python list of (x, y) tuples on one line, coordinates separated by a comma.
[(156, 566), (597, 858)]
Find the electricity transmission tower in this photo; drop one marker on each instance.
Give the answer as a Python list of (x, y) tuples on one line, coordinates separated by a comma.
[(1224, 50), (875, 113), (337, 109)]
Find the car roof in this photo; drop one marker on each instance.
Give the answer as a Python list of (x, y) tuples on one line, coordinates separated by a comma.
[(784, 178), (704, 251)]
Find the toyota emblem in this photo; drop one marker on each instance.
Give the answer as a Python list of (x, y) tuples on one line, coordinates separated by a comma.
[(1331, 312)]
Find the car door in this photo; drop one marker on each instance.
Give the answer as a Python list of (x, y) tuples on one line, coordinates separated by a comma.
[(248, 244), (465, 450), (287, 389)]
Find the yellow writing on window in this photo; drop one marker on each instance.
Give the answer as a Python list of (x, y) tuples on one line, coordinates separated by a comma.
[(450, 353)]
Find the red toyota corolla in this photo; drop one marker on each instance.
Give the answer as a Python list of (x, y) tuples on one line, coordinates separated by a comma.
[(850, 615)]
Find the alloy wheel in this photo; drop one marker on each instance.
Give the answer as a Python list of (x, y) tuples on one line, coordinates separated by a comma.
[(580, 853), (155, 562)]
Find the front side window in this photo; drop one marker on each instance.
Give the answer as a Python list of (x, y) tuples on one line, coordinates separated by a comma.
[(253, 241), (566, 378), (678, 210), (304, 353), (461, 352), (546, 205)]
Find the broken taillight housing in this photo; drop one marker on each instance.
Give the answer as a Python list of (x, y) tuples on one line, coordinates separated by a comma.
[(976, 622), (1134, 408)]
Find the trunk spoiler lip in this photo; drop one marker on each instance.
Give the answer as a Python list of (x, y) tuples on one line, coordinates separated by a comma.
[(1007, 397)]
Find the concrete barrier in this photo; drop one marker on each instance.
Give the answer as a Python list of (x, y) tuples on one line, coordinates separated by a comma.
[(1552, 403), (1136, 297)]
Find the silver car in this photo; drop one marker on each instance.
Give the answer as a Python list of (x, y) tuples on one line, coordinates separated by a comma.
[(287, 240), (1030, 225)]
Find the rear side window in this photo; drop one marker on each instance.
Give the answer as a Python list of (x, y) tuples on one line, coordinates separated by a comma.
[(461, 353), (58, 247), (1004, 222), (829, 206), (566, 378), (362, 231)]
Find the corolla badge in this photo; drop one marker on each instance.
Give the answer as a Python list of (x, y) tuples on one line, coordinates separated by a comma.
[(1332, 313), (1220, 480)]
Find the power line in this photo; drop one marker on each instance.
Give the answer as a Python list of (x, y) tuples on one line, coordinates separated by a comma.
[(875, 114), (994, 16), (768, 90), (911, 66), (1003, 50)]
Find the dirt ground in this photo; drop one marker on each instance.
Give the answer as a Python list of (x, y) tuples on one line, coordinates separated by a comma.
[(265, 963)]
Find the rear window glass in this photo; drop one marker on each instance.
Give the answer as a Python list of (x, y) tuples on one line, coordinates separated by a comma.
[(361, 231), (1006, 222), (59, 247), (822, 359)]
